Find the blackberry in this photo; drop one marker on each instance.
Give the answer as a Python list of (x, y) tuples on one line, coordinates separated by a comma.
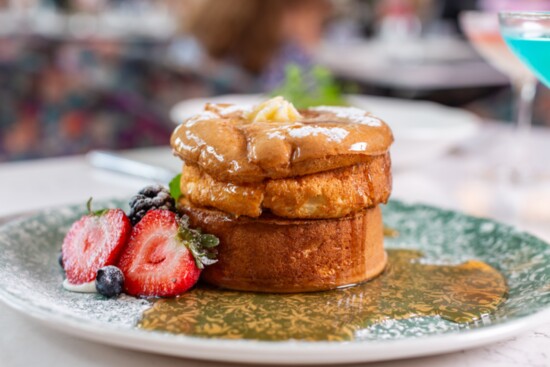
[(149, 198), (109, 281)]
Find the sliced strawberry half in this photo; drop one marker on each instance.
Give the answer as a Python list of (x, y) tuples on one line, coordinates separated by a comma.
[(157, 260), (94, 241)]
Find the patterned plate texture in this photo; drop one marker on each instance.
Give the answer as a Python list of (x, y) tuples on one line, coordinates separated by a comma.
[(30, 278)]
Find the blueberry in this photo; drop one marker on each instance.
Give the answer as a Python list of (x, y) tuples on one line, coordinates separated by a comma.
[(109, 281)]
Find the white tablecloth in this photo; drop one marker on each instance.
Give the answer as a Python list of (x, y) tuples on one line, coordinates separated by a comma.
[(457, 181)]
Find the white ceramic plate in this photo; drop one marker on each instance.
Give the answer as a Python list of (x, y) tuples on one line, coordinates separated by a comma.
[(423, 130), (30, 281)]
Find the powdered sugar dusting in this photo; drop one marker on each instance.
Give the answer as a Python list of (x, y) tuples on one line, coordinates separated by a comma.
[(29, 272), (413, 327), (204, 115), (217, 111), (30, 276), (353, 114), (336, 134), (234, 109)]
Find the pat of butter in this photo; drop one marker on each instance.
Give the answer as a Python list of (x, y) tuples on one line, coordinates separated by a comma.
[(274, 110)]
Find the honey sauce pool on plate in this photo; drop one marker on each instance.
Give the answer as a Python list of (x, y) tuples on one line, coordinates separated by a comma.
[(408, 288)]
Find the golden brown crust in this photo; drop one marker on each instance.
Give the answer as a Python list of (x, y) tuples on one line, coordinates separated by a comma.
[(330, 194), (202, 190), (272, 254), (230, 149)]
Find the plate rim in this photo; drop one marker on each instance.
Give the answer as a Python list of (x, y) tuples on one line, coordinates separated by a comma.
[(269, 352)]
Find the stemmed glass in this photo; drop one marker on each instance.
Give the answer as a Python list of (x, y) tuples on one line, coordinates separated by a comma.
[(482, 29), (528, 36)]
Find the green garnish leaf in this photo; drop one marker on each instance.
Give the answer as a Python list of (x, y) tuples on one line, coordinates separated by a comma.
[(202, 246), (304, 89), (175, 189), (97, 212), (209, 240)]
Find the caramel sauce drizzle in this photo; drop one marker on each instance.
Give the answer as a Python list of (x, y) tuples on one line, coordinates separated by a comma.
[(227, 145), (408, 288)]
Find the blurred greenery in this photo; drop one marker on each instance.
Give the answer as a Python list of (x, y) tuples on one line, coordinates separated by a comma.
[(315, 87)]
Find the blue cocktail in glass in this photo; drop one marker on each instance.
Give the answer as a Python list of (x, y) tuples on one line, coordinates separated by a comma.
[(528, 36)]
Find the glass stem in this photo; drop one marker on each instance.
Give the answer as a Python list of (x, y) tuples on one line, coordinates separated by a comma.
[(525, 90)]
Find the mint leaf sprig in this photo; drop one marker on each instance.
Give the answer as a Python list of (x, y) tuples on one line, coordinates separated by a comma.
[(202, 245), (175, 188)]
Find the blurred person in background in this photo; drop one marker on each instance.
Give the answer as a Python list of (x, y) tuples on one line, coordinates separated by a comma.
[(259, 36), (84, 88)]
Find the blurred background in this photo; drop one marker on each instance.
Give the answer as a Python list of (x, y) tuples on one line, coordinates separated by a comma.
[(77, 75)]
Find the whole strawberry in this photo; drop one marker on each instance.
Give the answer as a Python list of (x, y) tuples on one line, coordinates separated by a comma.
[(164, 257), (94, 241)]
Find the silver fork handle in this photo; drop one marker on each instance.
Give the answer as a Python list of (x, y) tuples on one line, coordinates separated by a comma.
[(117, 163)]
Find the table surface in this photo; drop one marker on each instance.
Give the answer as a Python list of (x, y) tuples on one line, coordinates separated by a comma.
[(456, 181)]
